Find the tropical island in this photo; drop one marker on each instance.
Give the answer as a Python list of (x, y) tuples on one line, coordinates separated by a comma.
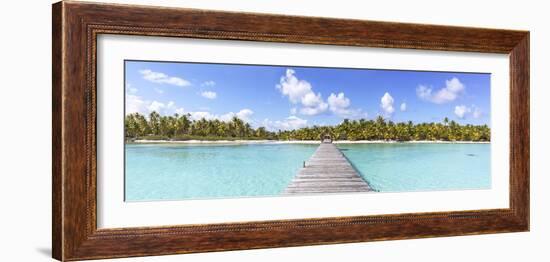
[(209, 130), (156, 127)]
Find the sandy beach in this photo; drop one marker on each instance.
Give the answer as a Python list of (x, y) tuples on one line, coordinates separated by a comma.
[(301, 142)]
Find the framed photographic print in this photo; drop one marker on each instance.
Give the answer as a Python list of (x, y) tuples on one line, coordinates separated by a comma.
[(181, 130)]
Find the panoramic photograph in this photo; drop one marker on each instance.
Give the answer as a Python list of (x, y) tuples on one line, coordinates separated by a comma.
[(207, 130)]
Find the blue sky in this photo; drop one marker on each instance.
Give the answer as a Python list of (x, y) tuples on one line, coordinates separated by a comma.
[(289, 97)]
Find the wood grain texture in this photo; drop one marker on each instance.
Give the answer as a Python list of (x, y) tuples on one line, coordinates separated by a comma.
[(327, 171), (519, 130), (76, 26), (57, 190)]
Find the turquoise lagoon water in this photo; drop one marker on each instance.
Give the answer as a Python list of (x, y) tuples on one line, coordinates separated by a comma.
[(422, 167), (184, 171), (172, 172)]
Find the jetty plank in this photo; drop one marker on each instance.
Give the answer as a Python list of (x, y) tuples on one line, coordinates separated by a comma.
[(327, 171)]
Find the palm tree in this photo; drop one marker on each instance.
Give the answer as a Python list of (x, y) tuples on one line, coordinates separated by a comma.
[(247, 130), (238, 127), (137, 125), (154, 123)]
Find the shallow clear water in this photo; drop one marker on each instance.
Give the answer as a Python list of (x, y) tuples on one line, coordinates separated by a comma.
[(422, 167), (155, 172), (174, 172)]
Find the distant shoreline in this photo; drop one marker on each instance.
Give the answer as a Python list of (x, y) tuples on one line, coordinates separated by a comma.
[(236, 142)]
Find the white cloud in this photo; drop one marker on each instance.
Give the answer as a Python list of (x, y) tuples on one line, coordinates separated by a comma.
[(424, 92), (198, 115), (155, 106), (289, 123), (301, 92), (209, 94), (340, 106), (461, 111), (162, 108), (403, 107), (243, 114), (311, 99), (338, 103), (311, 111), (130, 89), (386, 103), (208, 83), (452, 90), (313, 104), (225, 117), (160, 91), (161, 78), (477, 113), (292, 87), (134, 104), (179, 111)]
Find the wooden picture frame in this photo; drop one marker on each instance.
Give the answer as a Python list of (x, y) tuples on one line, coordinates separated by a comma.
[(76, 25)]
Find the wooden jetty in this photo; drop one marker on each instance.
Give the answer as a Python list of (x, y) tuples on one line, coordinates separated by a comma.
[(327, 171)]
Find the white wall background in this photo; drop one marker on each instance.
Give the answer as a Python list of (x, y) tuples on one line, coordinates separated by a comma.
[(25, 150)]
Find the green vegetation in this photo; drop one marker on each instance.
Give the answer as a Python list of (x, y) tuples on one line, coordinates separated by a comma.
[(181, 127)]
